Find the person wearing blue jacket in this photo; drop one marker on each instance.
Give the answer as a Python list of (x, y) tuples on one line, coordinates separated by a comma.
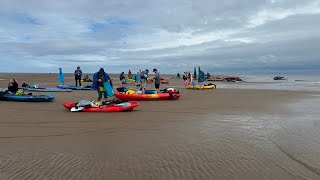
[(99, 78)]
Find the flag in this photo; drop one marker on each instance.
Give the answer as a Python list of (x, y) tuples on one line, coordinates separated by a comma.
[(201, 77), (61, 76), (195, 73)]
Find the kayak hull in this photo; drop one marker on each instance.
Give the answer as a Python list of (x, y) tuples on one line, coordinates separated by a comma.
[(201, 87), (106, 108), (73, 87), (43, 89), (29, 98), (147, 97)]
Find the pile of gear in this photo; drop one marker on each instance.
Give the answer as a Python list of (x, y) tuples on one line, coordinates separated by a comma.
[(92, 104)]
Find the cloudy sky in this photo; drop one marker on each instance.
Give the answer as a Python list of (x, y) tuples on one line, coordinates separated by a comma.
[(172, 35)]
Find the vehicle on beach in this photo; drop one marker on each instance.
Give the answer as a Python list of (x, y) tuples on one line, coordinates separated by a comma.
[(215, 78), (233, 79), (279, 78)]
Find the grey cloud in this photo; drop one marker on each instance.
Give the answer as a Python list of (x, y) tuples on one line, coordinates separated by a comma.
[(248, 34)]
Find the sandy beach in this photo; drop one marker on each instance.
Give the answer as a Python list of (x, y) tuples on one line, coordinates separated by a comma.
[(207, 134)]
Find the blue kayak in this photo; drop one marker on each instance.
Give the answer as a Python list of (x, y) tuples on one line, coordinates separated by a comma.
[(28, 98), (148, 91), (74, 87), (44, 89)]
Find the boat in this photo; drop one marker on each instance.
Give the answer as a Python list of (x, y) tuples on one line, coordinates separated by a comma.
[(88, 87), (279, 78), (201, 87), (114, 107), (27, 97), (147, 91), (44, 89), (163, 81), (147, 97), (215, 78), (131, 80), (233, 79)]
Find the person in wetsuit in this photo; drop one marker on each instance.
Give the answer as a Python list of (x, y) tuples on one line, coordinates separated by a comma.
[(13, 86)]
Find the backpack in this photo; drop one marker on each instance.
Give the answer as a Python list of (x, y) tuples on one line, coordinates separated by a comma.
[(144, 75)]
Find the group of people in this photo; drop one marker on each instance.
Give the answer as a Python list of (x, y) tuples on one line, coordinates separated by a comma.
[(101, 77), (141, 79), (98, 82), (187, 78)]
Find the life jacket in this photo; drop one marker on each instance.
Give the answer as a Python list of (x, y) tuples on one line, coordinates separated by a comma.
[(144, 75)]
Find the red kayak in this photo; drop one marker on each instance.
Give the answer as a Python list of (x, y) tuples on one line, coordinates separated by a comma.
[(126, 106), (147, 97)]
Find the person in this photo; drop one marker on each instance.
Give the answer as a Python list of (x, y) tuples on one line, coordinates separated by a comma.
[(129, 74), (178, 75), (157, 80), (13, 86), (122, 79), (144, 78), (138, 79), (99, 78), (77, 76), (188, 80), (208, 75), (86, 78)]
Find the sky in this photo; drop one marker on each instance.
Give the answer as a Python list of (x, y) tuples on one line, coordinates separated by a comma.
[(241, 36)]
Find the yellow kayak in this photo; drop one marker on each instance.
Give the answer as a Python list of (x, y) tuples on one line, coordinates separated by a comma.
[(131, 80), (200, 87)]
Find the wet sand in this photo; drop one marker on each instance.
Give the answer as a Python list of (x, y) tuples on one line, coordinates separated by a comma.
[(209, 134)]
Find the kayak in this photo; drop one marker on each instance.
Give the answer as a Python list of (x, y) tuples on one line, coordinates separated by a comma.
[(147, 91), (125, 106), (131, 80), (28, 98), (74, 87), (147, 97), (200, 87), (43, 89), (163, 81)]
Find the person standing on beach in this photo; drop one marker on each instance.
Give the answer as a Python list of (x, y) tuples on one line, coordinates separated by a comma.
[(99, 78), (157, 80), (129, 74), (122, 79), (77, 76), (144, 78), (189, 78), (138, 79)]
